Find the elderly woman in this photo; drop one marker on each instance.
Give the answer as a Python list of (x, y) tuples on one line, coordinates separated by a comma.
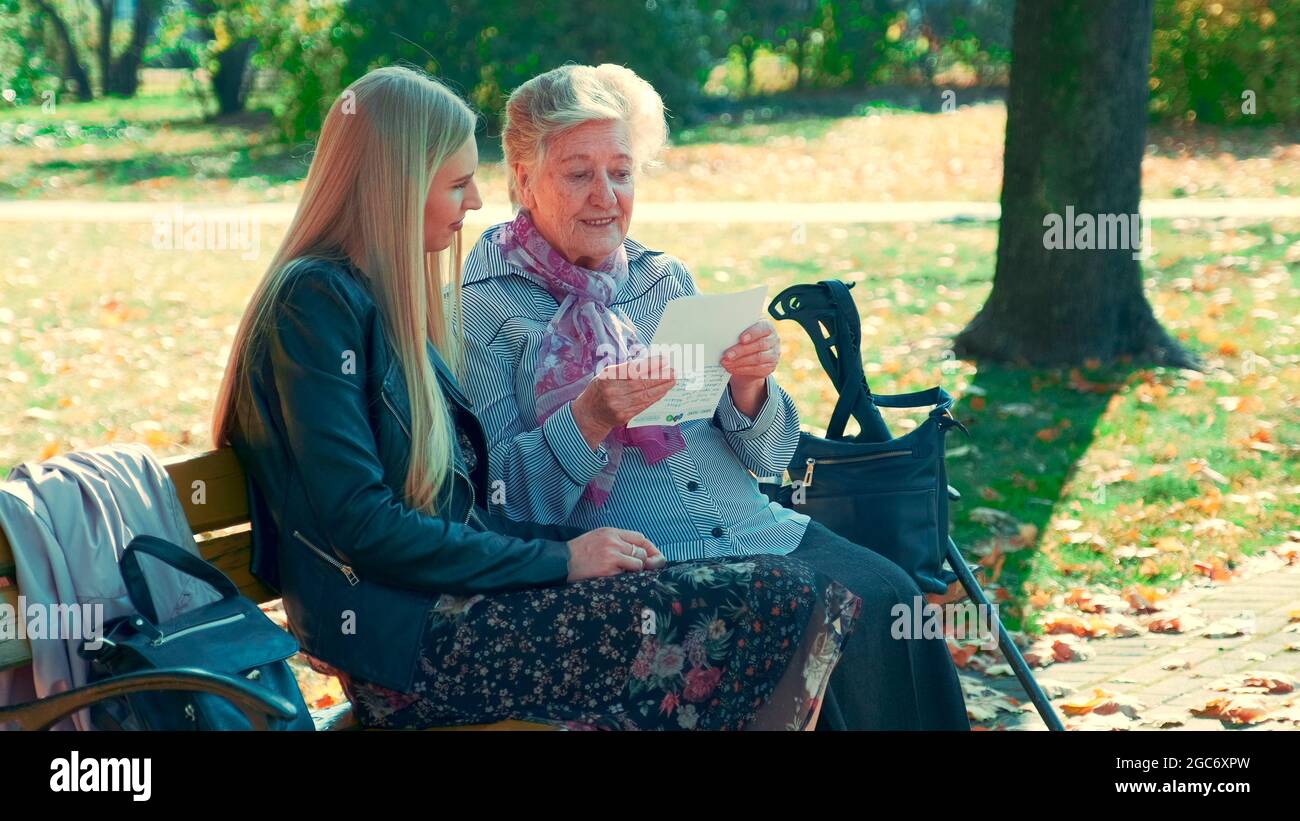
[(553, 296)]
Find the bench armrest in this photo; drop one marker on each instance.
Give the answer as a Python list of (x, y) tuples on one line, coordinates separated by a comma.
[(255, 703)]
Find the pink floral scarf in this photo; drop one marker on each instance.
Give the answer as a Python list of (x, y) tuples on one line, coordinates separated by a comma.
[(583, 336)]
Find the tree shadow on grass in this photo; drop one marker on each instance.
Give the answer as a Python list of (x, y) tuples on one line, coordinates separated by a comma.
[(1029, 429), (272, 164)]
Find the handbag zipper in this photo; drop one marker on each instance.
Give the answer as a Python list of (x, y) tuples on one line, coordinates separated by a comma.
[(343, 568), (186, 631), (812, 462)]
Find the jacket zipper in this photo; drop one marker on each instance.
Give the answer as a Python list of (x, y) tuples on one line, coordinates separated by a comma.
[(811, 462), (407, 431), (346, 570), (472, 497), (186, 631), (396, 415)]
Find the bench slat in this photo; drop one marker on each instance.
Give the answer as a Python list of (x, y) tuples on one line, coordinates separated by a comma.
[(222, 499), (13, 653), (220, 502), (509, 725), (232, 554)]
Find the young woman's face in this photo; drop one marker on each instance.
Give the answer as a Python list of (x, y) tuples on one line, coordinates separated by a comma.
[(452, 195)]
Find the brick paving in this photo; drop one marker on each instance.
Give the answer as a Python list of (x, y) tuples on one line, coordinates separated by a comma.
[(1134, 667)]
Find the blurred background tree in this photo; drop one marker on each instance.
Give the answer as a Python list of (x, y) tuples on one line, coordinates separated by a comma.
[(29, 66), (117, 38), (485, 48), (1216, 61), (1210, 58)]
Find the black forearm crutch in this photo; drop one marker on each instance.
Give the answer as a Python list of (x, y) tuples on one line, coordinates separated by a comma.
[(826, 311)]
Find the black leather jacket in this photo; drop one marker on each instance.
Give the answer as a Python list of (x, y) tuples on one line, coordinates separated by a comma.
[(323, 435)]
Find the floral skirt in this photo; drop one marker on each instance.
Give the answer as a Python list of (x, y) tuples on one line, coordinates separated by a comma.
[(715, 644)]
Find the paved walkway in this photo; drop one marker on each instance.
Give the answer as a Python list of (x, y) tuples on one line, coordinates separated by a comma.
[(1169, 674), (785, 213)]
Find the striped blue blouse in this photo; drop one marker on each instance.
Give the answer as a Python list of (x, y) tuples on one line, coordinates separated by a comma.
[(700, 502)]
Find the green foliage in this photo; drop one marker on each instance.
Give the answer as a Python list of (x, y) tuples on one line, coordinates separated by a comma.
[(1210, 59), (25, 70), (486, 48), (299, 47), (860, 43), (1206, 54), (306, 49)]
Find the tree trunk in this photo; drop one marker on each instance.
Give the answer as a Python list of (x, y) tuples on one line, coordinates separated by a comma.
[(126, 69), (232, 78), (73, 68), (749, 51), (1076, 132), (798, 58), (106, 8)]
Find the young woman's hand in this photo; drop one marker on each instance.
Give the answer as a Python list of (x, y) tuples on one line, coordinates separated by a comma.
[(608, 551), (618, 393)]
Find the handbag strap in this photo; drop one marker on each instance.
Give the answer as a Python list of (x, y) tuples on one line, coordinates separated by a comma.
[(830, 316), (137, 587), (938, 397)]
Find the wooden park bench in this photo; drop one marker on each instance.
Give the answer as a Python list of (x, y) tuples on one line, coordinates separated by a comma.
[(222, 525)]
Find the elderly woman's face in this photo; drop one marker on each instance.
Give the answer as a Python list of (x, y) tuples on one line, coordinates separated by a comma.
[(581, 196)]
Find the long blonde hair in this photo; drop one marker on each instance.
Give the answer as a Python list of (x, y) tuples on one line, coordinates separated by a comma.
[(380, 145)]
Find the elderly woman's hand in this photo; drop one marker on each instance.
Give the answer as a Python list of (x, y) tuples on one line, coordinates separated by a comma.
[(750, 361), (618, 393)]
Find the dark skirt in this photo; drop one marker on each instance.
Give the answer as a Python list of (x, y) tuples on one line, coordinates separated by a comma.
[(741, 643), (883, 682)]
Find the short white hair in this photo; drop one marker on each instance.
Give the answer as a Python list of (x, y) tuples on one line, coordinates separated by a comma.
[(568, 96)]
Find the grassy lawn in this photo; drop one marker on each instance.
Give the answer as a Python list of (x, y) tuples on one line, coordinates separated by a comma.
[(159, 147), (152, 147), (1119, 477)]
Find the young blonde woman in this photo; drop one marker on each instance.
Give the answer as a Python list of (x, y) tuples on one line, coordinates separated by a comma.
[(368, 478)]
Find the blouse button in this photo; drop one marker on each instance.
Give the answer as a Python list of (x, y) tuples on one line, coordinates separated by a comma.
[(717, 533), (692, 485)]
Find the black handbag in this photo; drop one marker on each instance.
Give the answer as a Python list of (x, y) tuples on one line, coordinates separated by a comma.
[(888, 494), (230, 636)]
